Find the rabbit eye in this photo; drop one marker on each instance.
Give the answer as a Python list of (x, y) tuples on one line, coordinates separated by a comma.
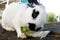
[(35, 14)]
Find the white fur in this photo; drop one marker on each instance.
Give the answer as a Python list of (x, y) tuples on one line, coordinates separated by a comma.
[(11, 17), (17, 15)]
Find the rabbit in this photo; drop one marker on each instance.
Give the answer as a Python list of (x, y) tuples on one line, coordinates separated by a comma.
[(18, 14)]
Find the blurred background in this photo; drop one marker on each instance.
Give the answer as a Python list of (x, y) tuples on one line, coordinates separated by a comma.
[(52, 8)]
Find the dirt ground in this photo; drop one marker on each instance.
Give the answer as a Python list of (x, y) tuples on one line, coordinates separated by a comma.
[(6, 35)]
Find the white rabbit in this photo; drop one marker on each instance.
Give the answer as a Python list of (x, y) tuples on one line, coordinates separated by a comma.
[(17, 15)]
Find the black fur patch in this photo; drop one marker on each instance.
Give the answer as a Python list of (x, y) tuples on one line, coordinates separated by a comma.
[(33, 1), (35, 14), (32, 26), (38, 29)]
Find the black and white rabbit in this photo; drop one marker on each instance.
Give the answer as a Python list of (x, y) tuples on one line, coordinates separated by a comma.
[(17, 15)]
